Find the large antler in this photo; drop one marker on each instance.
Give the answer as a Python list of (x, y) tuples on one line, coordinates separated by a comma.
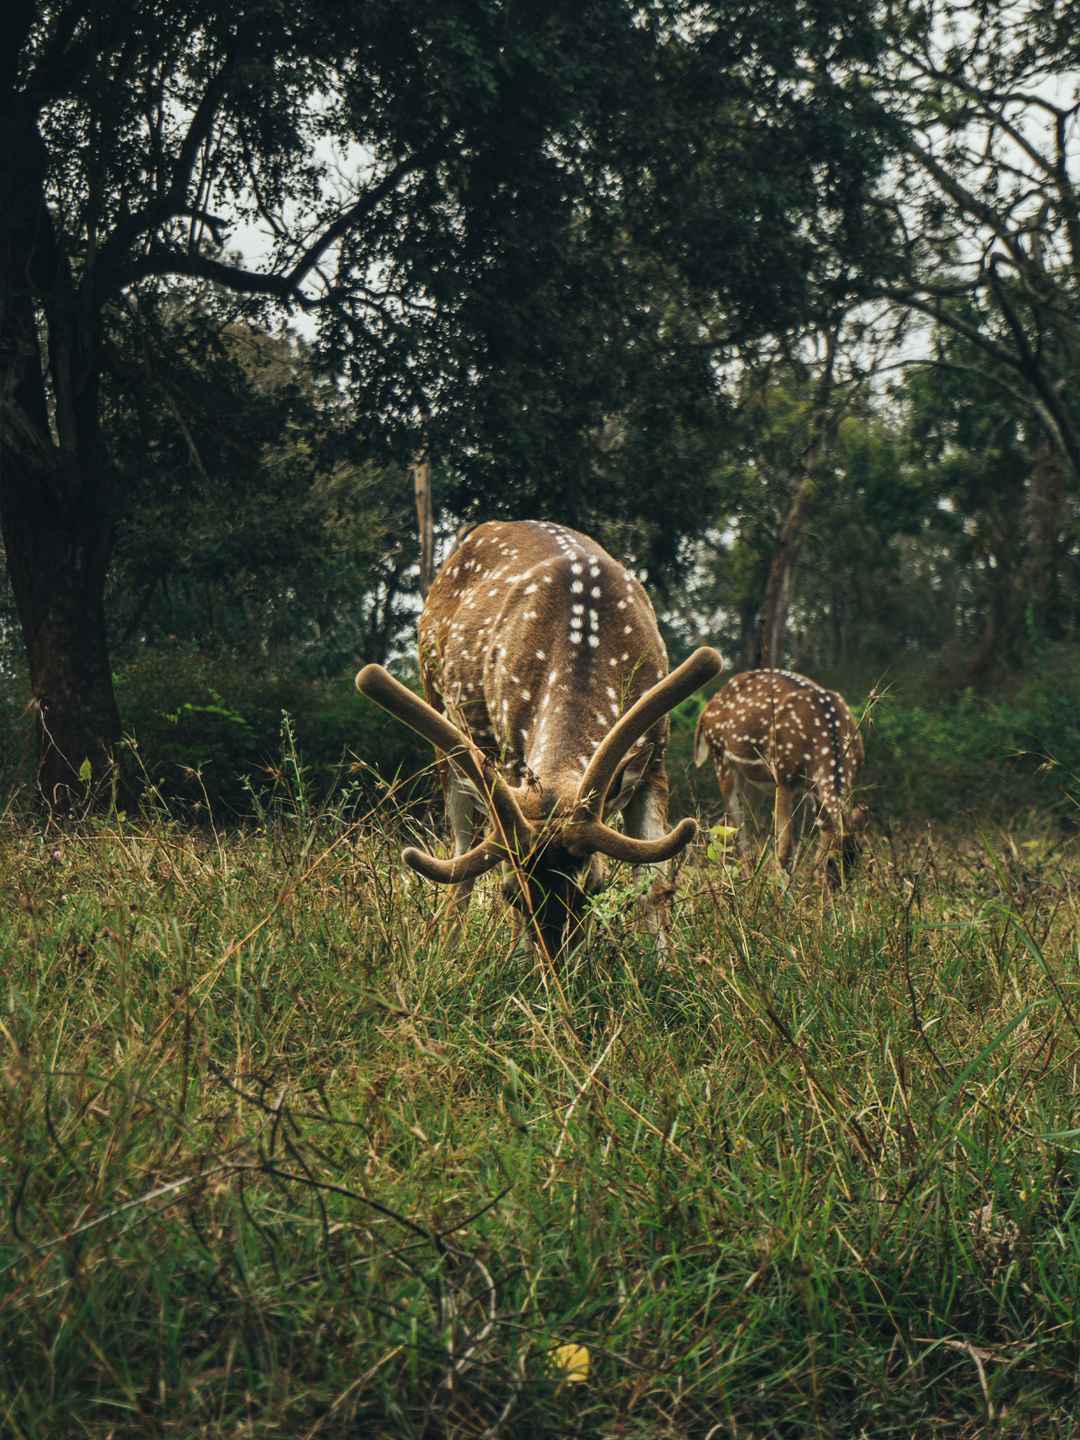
[(702, 665), (516, 832), (587, 829), (594, 837), (477, 861)]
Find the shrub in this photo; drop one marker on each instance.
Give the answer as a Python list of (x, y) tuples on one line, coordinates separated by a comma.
[(207, 731), (1003, 756)]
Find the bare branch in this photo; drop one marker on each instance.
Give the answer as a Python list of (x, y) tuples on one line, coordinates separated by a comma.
[(286, 286), (174, 200)]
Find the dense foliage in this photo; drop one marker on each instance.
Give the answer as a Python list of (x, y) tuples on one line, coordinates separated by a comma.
[(473, 205)]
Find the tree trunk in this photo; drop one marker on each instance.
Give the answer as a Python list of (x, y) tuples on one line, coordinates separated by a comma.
[(57, 557), (55, 514), (749, 637), (1045, 507), (1003, 642), (780, 585), (425, 519)]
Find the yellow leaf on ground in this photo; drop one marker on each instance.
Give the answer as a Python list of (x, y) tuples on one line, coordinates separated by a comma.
[(573, 1361)]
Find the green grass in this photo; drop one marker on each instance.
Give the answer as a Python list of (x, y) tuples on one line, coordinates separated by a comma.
[(281, 1158)]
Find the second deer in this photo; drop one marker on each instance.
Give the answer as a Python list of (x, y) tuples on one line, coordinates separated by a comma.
[(783, 744)]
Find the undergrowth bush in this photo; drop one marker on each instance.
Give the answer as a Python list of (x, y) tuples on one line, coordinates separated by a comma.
[(208, 735), (1015, 754)]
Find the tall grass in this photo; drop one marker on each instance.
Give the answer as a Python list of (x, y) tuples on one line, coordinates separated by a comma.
[(281, 1157)]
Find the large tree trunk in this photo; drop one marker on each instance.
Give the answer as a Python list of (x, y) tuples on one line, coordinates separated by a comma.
[(54, 504), (57, 557)]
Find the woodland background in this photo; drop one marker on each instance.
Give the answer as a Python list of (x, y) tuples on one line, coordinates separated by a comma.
[(782, 308)]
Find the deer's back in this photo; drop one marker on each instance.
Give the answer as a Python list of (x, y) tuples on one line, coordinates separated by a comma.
[(537, 640), (777, 727)]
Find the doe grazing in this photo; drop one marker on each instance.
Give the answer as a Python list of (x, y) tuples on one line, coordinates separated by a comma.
[(780, 740), (547, 689)]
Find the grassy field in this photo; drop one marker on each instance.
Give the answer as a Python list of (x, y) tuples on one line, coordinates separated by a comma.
[(280, 1158)]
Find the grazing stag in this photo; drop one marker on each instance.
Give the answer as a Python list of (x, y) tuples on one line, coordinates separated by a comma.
[(776, 736), (546, 686)]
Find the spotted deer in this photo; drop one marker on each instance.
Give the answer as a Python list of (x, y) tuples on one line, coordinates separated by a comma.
[(546, 686), (778, 737)]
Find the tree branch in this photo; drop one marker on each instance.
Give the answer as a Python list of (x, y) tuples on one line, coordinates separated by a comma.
[(1055, 417), (15, 26), (175, 199), (161, 260), (63, 64), (363, 207), (963, 197)]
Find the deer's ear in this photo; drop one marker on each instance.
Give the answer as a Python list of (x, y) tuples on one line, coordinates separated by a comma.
[(627, 779)]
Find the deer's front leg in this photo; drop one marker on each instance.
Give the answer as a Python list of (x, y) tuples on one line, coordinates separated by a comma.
[(462, 811), (646, 819)]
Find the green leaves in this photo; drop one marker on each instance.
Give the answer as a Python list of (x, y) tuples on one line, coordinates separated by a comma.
[(719, 846)]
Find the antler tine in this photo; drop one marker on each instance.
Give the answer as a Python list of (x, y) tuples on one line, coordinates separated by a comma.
[(477, 861), (379, 685), (702, 665), (593, 836)]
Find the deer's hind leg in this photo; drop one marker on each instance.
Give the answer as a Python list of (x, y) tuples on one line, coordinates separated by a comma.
[(783, 826), (829, 853), (736, 812), (750, 809)]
